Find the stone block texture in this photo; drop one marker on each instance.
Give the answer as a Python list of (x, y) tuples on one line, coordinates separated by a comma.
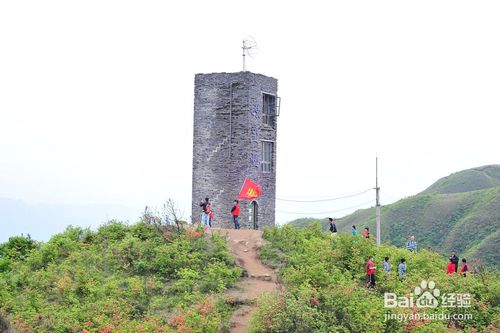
[(229, 132)]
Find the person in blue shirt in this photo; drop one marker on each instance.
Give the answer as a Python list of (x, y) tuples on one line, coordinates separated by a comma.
[(354, 231), (386, 266), (402, 269), (412, 245)]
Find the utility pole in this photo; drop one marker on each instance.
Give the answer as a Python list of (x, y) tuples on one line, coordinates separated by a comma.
[(377, 207)]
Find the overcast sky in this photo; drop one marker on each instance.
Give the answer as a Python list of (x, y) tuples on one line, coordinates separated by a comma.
[(96, 97)]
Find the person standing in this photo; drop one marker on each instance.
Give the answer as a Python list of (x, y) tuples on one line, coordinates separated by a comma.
[(386, 266), (454, 260), (333, 227), (475, 268), (205, 214), (370, 272), (450, 269), (412, 244), (354, 231), (464, 268), (402, 269), (235, 211), (366, 233)]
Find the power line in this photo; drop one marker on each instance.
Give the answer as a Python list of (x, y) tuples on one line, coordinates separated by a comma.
[(326, 212), (330, 199)]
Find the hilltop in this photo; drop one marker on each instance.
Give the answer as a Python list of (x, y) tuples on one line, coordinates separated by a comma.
[(467, 180), (460, 211), (148, 277), (120, 278)]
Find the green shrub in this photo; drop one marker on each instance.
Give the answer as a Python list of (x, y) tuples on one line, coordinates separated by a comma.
[(325, 282), (119, 278), (16, 248)]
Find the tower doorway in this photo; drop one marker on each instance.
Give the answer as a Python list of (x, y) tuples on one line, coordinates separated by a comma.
[(255, 215)]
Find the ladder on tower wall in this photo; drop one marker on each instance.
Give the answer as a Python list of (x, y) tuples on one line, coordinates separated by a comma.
[(217, 148), (218, 194)]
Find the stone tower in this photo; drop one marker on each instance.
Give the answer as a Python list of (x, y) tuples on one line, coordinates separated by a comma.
[(235, 122)]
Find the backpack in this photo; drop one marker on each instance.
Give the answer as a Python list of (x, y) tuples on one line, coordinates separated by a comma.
[(208, 208)]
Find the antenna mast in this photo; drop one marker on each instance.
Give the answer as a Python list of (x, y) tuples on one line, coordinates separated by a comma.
[(244, 47), (250, 48), (377, 207)]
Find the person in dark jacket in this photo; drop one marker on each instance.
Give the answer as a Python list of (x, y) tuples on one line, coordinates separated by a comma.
[(333, 227), (235, 211), (206, 208), (454, 260), (465, 267)]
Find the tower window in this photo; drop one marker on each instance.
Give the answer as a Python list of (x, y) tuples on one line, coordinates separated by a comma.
[(269, 110), (267, 156)]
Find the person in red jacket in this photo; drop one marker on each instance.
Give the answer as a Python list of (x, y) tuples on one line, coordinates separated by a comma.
[(235, 211), (370, 272), (450, 269)]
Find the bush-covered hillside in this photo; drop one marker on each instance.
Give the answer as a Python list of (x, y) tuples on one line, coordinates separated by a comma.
[(467, 222), (467, 180), (325, 287), (138, 278), (442, 218)]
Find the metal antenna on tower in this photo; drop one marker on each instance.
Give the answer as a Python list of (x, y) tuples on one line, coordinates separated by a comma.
[(249, 48), (377, 207)]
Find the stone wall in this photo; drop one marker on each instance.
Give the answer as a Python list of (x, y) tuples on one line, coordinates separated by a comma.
[(227, 143)]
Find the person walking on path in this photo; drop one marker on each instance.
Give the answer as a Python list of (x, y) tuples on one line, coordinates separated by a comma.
[(402, 269), (354, 231), (235, 211), (205, 214), (475, 268), (333, 227), (412, 244), (366, 233), (464, 268), (386, 266), (370, 272), (450, 269), (454, 259)]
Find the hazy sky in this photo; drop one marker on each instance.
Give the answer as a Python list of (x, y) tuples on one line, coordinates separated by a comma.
[(96, 97)]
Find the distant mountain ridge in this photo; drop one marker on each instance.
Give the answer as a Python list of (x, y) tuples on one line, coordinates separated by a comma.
[(467, 180), (460, 212)]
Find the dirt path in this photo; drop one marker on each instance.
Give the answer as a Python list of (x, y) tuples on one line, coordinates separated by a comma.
[(245, 245)]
